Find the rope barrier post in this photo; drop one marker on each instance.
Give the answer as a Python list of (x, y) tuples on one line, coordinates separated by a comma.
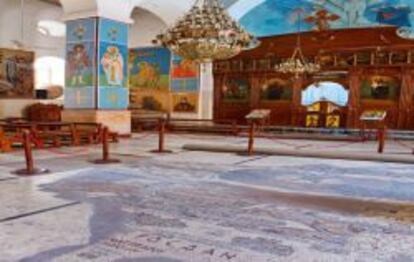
[(105, 150), (250, 149), (381, 139), (28, 152), (161, 137)]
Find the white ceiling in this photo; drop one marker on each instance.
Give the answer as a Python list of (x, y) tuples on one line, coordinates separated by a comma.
[(166, 10)]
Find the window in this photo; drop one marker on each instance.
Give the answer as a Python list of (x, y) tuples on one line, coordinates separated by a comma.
[(49, 71)]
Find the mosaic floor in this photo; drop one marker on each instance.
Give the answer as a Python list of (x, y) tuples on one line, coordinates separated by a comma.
[(197, 206)]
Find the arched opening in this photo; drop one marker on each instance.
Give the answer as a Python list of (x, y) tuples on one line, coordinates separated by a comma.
[(49, 72), (147, 25), (325, 103)]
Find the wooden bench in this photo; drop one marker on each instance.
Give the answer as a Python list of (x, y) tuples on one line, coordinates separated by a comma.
[(91, 133), (5, 143), (56, 133), (14, 132), (204, 126)]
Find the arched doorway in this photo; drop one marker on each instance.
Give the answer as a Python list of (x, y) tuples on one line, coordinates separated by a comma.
[(325, 102)]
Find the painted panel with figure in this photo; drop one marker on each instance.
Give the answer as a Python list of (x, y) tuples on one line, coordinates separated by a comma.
[(184, 75), (113, 70), (152, 100), (236, 90), (16, 73), (80, 78), (113, 65), (185, 103), (277, 17), (80, 64), (149, 68), (380, 88), (276, 90)]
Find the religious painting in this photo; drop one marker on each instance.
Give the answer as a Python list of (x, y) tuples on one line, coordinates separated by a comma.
[(149, 68), (16, 73), (113, 65), (185, 103), (277, 90), (333, 121), (153, 100), (312, 120), (79, 64), (236, 89), (380, 88), (184, 75), (271, 17)]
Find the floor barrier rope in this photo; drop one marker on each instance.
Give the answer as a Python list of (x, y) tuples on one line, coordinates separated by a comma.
[(403, 144), (75, 152)]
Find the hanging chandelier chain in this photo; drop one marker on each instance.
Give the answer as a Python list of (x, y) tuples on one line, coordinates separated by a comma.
[(297, 63)]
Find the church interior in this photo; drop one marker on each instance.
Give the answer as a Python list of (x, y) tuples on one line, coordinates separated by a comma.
[(207, 130)]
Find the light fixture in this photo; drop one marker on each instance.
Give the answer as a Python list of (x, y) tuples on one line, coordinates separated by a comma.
[(206, 33), (297, 63), (51, 28)]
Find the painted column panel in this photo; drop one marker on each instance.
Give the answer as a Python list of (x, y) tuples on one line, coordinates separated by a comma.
[(97, 64), (112, 65), (80, 91)]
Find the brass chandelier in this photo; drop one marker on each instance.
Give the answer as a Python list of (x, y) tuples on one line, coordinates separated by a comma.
[(206, 33), (297, 63)]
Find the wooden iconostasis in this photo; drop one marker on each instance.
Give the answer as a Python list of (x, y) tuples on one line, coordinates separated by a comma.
[(376, 71)]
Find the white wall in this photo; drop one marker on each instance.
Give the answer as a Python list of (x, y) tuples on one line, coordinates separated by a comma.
[(34, 11), (144, 29)]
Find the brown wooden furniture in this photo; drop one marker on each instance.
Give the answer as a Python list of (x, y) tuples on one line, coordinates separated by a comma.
[(346, 58), (228, 127), (43, 113), (92, 133), (57, 133), (5, 143)]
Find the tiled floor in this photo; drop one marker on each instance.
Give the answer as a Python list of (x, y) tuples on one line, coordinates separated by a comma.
[(199, 206)]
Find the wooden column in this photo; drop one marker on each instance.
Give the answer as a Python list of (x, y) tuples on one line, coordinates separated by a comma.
[(354, 98), (219, 81), (406, 99), (255, 83), (296, 107)]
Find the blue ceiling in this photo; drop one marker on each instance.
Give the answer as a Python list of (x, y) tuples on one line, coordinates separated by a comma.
[(276, 17)]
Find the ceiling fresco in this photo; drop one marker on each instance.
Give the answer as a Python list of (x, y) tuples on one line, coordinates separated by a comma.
[(275, 17)]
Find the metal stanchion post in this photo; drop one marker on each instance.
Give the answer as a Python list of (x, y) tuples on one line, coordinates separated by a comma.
[(28, 152), (250, 149), (161, 138), (105, 150), (381, 139)]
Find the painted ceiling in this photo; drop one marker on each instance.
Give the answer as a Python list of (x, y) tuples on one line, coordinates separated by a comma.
[(275, 17)]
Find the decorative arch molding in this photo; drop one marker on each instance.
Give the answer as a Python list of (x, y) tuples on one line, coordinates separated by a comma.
[(325, 91), (122, 10)]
